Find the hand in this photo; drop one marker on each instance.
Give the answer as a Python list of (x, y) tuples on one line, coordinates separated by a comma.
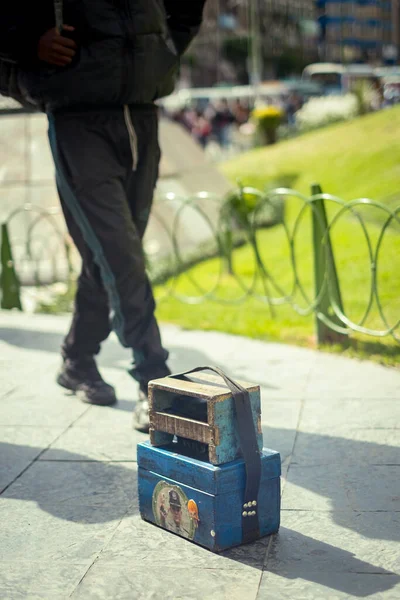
[(55, 49)]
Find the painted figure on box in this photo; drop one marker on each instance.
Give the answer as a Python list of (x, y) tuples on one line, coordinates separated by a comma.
[(163, 511), (193, 512), (170, 509), (175, 523)]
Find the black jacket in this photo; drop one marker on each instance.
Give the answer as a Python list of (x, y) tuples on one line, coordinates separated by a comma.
[(128, 49)]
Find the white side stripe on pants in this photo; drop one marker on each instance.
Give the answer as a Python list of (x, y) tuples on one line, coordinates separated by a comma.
[(133, 141)]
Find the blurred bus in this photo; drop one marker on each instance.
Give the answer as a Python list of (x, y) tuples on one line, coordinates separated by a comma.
[(271, 92), (340, 79), (390, 79)]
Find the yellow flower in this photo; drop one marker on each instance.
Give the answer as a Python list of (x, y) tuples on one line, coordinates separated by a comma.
[(267, 112)]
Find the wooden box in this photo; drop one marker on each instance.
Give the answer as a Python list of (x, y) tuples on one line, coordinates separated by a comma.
[(200, 410), (204, 502)]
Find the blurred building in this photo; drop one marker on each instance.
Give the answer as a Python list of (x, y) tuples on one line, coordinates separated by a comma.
[(221, 54), (359, 30)]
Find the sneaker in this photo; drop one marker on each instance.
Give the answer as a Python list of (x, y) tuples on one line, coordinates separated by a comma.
[(141, 420), (83, 378)]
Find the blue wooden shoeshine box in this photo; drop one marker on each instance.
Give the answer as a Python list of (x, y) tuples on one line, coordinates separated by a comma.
[(204, 475), (204, 502)]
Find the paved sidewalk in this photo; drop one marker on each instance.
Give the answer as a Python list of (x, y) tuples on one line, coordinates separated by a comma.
[(69, 523)]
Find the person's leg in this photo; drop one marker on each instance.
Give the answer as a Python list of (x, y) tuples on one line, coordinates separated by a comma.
[(91, 323), (95, 153), (90, 326), (150, 358), (91, 319)]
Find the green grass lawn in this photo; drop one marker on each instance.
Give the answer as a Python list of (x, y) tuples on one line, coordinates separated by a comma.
[(352, 160)]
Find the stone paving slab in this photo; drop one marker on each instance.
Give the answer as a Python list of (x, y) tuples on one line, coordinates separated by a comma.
[(101, 434), (364, 543), (338, 377), (69, 522), (328, 585), (42, 410), (343, 487), (19, 447), (355, 412), (352, 446), (135, 541), (282, 440), (43, 580), (171, 583), (65, 510)]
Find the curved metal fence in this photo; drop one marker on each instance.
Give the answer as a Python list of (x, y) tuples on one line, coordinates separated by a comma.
[(41, 251), (189, 230)]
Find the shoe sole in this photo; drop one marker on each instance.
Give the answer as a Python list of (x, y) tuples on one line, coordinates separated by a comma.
[(140, 417), (140, 428), (81, 394)]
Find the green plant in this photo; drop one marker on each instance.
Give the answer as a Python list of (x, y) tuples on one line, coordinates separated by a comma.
[(247, 205), (267, 119), (363, 92)]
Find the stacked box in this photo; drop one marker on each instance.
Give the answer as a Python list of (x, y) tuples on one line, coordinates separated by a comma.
[(195, 472)]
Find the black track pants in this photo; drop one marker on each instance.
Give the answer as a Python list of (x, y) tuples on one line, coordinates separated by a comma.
[(106, 170)]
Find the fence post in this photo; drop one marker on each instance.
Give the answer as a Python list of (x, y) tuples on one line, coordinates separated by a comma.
[(226, 238), (325, 269), (9, 283)]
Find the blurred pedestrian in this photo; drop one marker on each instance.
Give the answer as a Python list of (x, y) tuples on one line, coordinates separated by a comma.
[(201, 129), (241, 113), (222, 121), (293, 104)]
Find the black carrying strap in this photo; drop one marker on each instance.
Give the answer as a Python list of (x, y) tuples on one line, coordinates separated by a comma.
[(250, 450)]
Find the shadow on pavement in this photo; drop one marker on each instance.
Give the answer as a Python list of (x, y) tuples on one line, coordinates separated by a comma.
[(112, 354), (359, 479), (73, 487), (314, 561), (326, 565), (46, 341)]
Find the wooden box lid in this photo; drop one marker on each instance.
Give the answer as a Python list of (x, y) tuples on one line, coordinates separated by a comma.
[(201, 385)]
